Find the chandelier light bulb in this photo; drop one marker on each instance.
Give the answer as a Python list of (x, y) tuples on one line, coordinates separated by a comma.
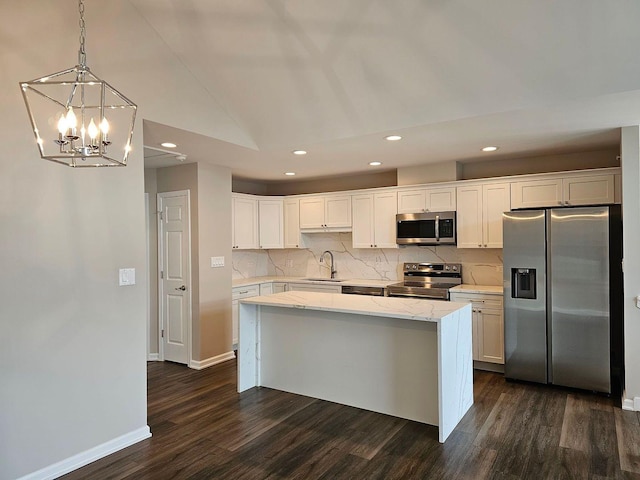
[(62, 125), (92, 130), (104, 126), (72, 121)]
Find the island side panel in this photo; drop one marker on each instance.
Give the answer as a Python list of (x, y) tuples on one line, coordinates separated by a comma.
[(380, 364), (248, 346), (455, 369)]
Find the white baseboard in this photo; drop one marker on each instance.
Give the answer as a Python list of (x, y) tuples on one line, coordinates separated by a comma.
[(199, 365), (153, 357), (84, 458), (633, 405)]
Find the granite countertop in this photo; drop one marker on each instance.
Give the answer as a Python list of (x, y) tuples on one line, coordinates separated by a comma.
[(484, 289), (394, 307), (356, 282)]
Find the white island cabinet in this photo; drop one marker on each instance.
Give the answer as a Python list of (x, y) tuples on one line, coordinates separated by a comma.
[(410, 358)]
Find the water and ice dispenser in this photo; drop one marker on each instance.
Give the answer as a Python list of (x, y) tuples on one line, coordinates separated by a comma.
[(523, 283)]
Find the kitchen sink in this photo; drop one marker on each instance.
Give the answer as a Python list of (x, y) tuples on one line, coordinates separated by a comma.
[(335, 280)]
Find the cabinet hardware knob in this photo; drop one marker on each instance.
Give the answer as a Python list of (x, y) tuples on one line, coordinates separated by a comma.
[(560, 202), (485, 245), (183, 288), (480, 245)]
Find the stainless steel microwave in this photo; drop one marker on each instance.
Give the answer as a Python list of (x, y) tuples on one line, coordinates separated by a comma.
[(431, 228)]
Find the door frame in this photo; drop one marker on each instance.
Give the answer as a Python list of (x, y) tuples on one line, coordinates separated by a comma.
[(160, 196)]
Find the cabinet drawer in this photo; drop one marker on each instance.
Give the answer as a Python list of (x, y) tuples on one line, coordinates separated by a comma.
[(479, 300), (245, 292)]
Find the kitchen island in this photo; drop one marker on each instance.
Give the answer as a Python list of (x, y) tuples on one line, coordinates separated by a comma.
[(411, 358)]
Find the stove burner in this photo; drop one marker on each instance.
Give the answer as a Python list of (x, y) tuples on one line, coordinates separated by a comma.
[(427, 280)]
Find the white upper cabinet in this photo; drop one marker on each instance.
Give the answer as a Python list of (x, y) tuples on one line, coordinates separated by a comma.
[(326, 212), (588, 190), (427, 200), (245, 222), (563, 191), (479, 214), (257, 222), (271, 223), (292, 223), (374, 220)]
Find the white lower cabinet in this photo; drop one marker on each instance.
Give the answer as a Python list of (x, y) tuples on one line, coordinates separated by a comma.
[(488, 326), (309, 287), (279, 287), (238, 293)]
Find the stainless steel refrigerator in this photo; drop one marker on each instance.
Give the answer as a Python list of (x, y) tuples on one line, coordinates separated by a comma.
[(563, 297)]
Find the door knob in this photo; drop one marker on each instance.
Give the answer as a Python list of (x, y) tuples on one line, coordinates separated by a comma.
[(183, 288)]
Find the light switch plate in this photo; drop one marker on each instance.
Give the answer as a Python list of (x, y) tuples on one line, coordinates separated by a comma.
[(217, 262), (127, 276)]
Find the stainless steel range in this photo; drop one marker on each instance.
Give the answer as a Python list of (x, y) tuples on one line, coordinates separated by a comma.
[(427, 280)]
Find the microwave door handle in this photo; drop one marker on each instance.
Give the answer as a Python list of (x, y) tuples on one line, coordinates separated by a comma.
[(437, 228)]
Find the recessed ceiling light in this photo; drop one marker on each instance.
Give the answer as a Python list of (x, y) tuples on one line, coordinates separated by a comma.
[(290, 174), (299, 152), (393, 138), (375, 164), (489, 149), (168, 145)]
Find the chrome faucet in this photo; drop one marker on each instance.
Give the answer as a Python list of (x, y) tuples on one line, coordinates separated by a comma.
[(333, 271)]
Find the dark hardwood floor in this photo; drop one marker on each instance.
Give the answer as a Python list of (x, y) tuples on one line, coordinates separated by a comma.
[(203, 429)]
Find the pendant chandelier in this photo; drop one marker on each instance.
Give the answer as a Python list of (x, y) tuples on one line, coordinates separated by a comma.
[(79, 120)]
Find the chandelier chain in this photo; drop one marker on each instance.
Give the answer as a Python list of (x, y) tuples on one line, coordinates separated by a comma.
[(82, 26)]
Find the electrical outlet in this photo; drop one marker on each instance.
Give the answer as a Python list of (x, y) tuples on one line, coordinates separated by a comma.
[(289, 263)]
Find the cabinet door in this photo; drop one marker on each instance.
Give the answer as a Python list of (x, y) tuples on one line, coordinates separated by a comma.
[(412, 201), (292, 223), (588, 190), (384, 220), (496, 199), (245, 223), (266, 288), (491, 336), (363, 220), (309, 287), (271, 221), (476, 334), (312, 212), (234, 322), (441, 199), (469, 217), (279, 287), (536, 193), (337, 211)]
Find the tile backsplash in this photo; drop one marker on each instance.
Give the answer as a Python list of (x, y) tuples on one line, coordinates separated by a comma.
[(479, 266)]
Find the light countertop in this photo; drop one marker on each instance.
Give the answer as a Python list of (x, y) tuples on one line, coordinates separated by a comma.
[(395, 307), (484, 289)]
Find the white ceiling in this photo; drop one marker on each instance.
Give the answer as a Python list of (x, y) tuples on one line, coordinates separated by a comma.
[(242, 83)]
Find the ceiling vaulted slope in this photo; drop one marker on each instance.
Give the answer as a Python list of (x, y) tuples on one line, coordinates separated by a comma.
[(248, 81)]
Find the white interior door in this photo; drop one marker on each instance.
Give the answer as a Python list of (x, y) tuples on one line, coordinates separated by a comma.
[(175, 276)]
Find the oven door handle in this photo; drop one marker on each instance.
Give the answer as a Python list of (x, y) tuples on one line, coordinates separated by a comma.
[(437, 228)]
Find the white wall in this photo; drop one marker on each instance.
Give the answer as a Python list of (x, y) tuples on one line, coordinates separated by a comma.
[(630, 158), (73, 358)]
